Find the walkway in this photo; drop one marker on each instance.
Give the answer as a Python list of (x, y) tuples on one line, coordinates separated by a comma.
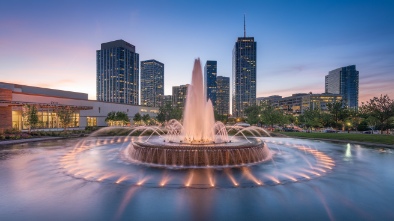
[(7, 142)]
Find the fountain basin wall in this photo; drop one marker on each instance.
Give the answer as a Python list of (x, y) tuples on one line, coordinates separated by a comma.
[(198, 155)]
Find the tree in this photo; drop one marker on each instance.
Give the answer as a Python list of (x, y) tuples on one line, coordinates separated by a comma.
[(327, 120), (311, 118), (382, 109), (65, 114), (363, 126), (117, 118), (335, 109), (253, 114), (354, 118), (137, 117), (146, 118), (122, 118), (221, 117), (270, 116), (291, 119), (338, 111), (168, 112), (30, 117), (110, 116), (161, 117)]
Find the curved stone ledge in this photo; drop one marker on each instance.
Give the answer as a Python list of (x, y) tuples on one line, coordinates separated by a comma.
[(230, 154)]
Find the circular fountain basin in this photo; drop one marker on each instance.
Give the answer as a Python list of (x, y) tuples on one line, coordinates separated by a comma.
[(237, 153)]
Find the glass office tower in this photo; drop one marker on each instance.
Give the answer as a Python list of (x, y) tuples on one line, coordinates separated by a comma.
[(344, 81), (117, 77), (210, 73), (222, 95), (244, 75), (152, 82)]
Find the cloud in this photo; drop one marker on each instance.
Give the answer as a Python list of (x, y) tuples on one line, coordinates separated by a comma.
[(284, 92), (57, 83)]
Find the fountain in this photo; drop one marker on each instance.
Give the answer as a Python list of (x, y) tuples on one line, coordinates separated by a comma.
[(199, 142), (195, 153), (104, 176)]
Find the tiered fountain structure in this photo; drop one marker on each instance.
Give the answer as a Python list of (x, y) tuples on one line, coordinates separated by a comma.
[(199, 141)]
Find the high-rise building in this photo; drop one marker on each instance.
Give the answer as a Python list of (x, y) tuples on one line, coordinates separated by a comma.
[(117, 78), (179, 94), (344, 81), (222, 95), (244, 74), (210, 73), (152, 82), (165, 99)]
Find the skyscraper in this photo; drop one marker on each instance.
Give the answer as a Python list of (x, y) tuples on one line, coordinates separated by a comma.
[(152, 82), (222, 95), (344, 81), (165, 99), (117, 77), (179, 94), (244, 74), (210, 73)]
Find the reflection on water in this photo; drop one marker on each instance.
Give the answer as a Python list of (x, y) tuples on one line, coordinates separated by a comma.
[(307, 180)]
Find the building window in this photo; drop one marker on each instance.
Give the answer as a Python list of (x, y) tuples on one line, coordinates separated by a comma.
[(91, 121), (47, 118)]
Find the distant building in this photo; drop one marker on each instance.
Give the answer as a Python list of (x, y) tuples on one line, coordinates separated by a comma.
[(210, 85), (48, 101), (117, 77), (244, 75), (273, 100), (319, 101), (291, 104), (152, 82), (223, 95), (344, 81), (299, 102), (179, 94), (165, 99)]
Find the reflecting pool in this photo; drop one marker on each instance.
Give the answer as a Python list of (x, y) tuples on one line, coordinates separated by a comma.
[(305, 180)]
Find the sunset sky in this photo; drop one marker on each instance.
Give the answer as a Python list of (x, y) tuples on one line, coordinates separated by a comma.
[(53, 43)]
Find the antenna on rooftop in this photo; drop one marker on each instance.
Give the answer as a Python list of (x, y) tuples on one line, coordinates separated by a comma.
[(244, 27)]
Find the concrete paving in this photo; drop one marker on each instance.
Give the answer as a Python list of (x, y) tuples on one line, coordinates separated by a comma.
[(8, 142)]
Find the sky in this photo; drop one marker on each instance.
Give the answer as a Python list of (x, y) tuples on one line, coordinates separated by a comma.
[(53, 43)]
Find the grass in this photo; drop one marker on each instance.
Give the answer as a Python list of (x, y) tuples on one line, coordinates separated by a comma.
[(371, 138)]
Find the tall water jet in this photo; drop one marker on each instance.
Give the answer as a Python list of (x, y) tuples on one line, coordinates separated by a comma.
[(198, 120)]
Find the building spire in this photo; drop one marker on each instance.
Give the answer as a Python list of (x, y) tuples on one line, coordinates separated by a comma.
[(244, 27)]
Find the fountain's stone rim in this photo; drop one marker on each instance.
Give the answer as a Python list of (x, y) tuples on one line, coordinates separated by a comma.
[(253, 142), (175, 155)]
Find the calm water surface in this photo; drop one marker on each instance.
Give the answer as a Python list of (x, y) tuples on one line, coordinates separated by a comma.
[(38, 183)]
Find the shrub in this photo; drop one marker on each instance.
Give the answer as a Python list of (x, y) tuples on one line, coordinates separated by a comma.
[(91, 128), (25, 136)]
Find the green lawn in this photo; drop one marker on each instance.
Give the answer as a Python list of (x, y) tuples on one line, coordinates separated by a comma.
[(372, 138)]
